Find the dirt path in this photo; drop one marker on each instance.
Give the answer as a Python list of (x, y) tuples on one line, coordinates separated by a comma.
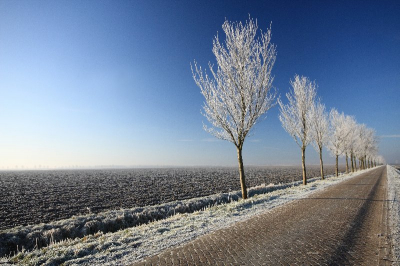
[(345, 224)]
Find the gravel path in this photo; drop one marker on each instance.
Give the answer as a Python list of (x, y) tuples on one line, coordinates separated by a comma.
[(345, 224)]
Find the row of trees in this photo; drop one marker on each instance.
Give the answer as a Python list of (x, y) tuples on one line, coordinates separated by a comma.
[(305, 118), (240, 92)]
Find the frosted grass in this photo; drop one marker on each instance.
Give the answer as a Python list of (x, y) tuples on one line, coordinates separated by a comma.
[(135, 243), (393, 176)]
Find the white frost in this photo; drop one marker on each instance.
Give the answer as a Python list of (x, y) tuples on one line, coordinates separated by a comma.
[(133, 244), (393, 177)]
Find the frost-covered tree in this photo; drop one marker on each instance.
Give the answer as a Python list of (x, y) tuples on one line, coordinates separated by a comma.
[(239, 91), (338, 134), (361, 139), (350, 141), (370, 147), (372, 152), (380, 160), (365, 146), (296, 115), (320, 130), (348, 131)]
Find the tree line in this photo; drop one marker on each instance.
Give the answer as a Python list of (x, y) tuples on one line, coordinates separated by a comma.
[(239, 92), (305, 118)]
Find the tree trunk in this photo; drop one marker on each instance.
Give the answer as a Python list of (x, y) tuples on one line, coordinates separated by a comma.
[(352, 163), (303, 161), (347, 164), (241, 173), (355, 163), (321, 163), (337, 165)]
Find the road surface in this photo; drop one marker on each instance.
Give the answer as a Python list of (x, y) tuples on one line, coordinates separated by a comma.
[(344, 224)]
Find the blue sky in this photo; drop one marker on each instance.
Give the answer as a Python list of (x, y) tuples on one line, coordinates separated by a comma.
[(88, 83)]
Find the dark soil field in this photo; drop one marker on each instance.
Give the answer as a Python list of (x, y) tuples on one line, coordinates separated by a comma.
[(32, 197)]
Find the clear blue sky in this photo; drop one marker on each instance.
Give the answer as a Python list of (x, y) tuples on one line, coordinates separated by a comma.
[(85, 83)]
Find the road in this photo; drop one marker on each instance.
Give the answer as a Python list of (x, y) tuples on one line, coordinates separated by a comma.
[(344, 224)]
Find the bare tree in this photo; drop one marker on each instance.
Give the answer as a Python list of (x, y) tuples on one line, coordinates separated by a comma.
[(296, 115), (239, 92), (320, 130)]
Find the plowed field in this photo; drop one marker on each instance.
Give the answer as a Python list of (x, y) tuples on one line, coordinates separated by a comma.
[(32, 197)]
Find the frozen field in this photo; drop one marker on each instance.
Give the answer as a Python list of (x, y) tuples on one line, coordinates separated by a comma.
[(32, 197)]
